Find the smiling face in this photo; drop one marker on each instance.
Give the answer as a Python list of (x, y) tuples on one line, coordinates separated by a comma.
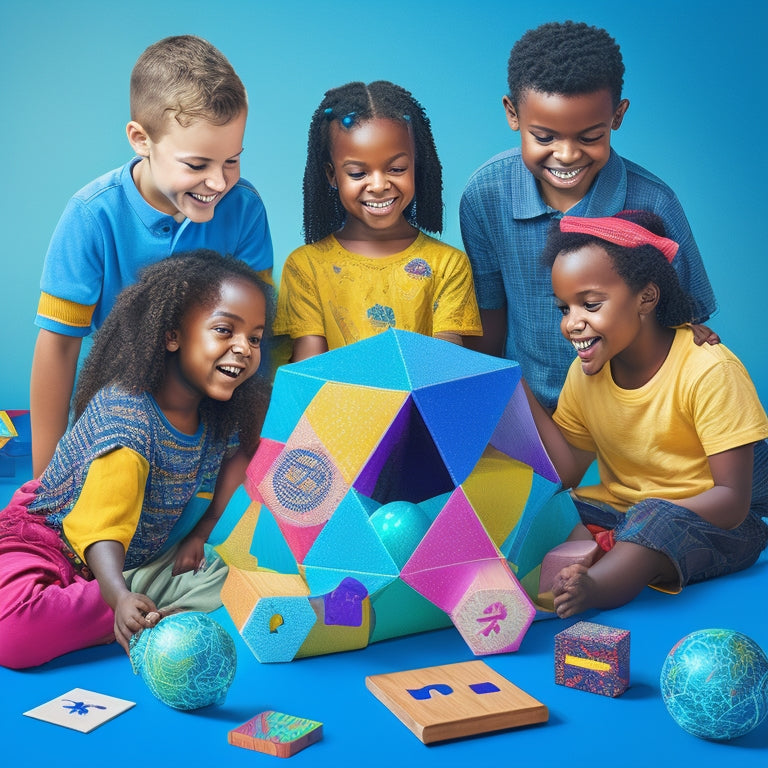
[(373, 167), (565, 140), (602, 317), (217, 347), (187, 170)]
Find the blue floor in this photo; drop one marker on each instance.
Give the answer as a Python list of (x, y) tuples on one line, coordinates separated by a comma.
[(583, 729)]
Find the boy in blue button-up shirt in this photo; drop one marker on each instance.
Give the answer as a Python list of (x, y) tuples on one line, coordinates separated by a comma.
[(565, 98)]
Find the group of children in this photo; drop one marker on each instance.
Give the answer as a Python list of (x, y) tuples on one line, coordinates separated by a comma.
[(111, 534)]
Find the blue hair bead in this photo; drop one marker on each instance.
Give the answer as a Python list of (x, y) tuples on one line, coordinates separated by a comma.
[(407, 118), (348, 120), (328, 111)]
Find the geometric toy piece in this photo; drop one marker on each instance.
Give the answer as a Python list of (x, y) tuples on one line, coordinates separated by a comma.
[(400, 610), (344, 618), (580, 551), (498, 488), (455, 700), (7, 430), (361, 465), (495, 612), (278, 626), (187, 660), (593, 658), (446, 561), (334, 631), (714, 683), (80, 710), (516, 435), (271, 611), (275, 733), (348, 546), (344, 605)]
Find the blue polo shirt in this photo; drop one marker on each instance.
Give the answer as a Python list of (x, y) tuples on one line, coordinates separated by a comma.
[(109, 232), (504, 226)]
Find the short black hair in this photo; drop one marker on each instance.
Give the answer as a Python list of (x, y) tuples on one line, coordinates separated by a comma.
[(129, 349), (350, 105), (635, 266), (569, 59)]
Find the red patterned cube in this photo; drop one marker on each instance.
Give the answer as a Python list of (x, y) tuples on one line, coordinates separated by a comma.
[(593, 657)]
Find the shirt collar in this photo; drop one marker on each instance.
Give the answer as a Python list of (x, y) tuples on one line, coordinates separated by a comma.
[(605, 197), (153, 220)]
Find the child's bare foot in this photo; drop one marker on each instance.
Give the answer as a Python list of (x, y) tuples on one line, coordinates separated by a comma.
[(574, 590)]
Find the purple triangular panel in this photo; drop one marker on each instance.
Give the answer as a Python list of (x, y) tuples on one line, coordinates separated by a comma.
[(516, 435)]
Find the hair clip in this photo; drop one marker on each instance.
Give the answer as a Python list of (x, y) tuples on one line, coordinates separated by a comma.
[(348, 120)]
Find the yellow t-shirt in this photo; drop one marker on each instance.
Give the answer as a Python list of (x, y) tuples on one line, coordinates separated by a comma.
[(653, 442), (343, 296)]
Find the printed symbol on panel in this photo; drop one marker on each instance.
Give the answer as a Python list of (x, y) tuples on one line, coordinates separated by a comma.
[(79, 707), (302, 480), (426, 692), (497, 612)]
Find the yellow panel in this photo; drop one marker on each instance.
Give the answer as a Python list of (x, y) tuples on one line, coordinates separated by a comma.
[(332, 638), (351, 420), (235, 549), (498, 489), (578, 661)]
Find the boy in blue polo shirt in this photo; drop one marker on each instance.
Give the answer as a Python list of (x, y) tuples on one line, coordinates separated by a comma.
[(565, 98), (181, 192)]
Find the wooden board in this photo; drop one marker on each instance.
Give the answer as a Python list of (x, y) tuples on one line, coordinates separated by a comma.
[(455, 700)]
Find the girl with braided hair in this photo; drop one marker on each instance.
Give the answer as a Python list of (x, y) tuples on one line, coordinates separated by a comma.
[(372, 189), (677, 428), (169, 406)]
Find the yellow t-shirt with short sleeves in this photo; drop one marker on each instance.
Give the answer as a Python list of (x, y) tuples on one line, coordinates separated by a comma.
[(653, 442), (343, 296)]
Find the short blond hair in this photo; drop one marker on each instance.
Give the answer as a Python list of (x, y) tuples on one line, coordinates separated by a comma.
[(186, 78)]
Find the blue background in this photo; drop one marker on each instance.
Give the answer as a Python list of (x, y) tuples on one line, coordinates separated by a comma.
[(696, 81)]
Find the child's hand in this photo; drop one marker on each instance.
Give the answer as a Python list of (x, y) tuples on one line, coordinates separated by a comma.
[(133, 612), (191, 555), (703, 334)]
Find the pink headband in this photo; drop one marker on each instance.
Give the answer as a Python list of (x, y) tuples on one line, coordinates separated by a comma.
[(619, 231)]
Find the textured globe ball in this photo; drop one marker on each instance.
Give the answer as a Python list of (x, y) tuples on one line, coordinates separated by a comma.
[(401, 526), (187, 660), (714, 683)]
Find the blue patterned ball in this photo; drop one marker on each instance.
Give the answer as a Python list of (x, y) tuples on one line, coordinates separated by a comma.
[(187, 660), (714, 683)]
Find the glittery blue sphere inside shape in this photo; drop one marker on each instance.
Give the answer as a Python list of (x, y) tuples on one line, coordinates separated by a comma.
[(401, 526), (714, 683), (187, 660)]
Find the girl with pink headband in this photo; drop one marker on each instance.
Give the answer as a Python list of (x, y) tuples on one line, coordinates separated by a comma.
[(677, 429)]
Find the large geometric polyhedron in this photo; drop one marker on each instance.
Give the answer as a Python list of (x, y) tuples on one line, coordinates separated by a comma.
[(412, 466)]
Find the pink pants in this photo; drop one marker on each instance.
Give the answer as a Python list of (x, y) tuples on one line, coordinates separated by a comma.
[(46, 608)]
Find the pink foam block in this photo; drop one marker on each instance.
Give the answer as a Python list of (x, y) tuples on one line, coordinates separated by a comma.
[(568, 553)]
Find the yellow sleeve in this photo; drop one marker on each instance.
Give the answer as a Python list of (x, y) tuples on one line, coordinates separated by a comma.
[(65, 312), (455, 305), (110, 501), (299, 304)]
